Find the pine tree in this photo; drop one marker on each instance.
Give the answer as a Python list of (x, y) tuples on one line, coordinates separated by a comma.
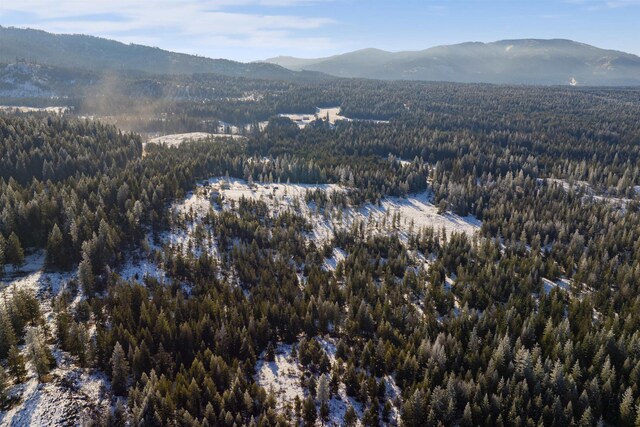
[(119, 415), (351, 381), (7, 334), (413, 413), (323, 389), (55, 249), (587, 419), (324, 411), (82, 344), (39, 353), (386, 412), (3, 246), (85, 275), (119, 371), (350, 417), (269, 354), (15, 361), (14, 252), (143, 400), (627, 413), (371, 417), (467, 416), (297, 408), (309, 412), (4, 385)]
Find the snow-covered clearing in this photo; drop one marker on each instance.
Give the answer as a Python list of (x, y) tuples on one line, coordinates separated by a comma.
[(191, 213), (72, 397), (414, 212), (174, 140), (417, 211), (248, 97), (331, 263), (33, 263), (19, 109), (339, 404), (279, 197), (302, 120), (332, 115), (31, 277), (188, 234), (282, 376), (225, 128), (72, 393), (137, 267)]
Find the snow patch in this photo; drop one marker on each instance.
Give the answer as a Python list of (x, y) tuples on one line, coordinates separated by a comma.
[(331, 115), (338, 256), (282, 376), (561, 283), (19, 109), (175, 140), (72, 396)]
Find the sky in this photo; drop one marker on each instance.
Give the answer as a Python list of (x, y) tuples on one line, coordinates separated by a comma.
[(248, 30)]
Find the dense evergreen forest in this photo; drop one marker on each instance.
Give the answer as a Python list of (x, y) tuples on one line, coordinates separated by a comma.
[(532, 320)]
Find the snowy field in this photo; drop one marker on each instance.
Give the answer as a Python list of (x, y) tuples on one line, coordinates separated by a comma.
[(180, 138), (16, 109), (225, 128), (282, 376), (330, 114), (415, 211), (137, 267)]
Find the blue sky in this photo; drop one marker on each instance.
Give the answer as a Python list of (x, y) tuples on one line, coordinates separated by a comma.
[(256, 29)]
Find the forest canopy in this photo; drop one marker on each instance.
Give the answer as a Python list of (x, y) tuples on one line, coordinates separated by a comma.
[(531, 320)]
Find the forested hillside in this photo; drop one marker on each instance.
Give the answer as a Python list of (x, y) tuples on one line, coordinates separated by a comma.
[(474, 261), (98, 54)]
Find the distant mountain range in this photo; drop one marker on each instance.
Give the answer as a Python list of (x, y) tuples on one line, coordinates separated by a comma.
[(528, 61), (99, 55)]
